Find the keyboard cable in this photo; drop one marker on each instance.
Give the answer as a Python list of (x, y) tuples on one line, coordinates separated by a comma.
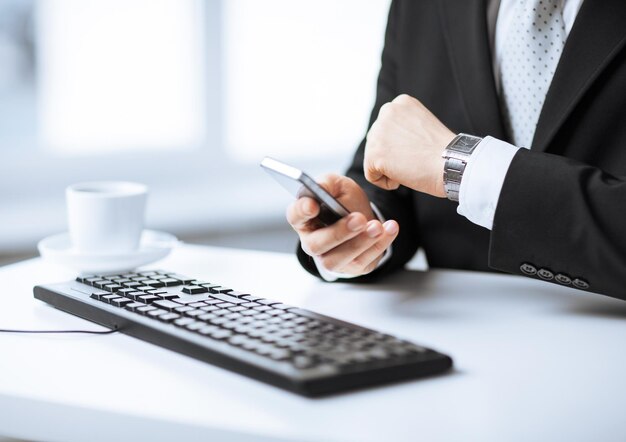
[(93, 332)]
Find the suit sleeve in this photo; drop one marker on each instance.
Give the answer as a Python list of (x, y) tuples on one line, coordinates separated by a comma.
[(561, 221), (397, 204)]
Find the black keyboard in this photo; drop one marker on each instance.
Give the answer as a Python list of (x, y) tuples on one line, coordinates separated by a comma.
[(286, 346)]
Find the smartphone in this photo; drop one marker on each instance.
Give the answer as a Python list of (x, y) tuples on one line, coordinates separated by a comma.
[(300, 184)]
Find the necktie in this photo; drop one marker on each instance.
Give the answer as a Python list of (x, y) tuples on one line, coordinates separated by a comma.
[(531, 52)]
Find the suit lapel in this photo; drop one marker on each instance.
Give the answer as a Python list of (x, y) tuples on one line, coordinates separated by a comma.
[(467, 40), (596, 38)]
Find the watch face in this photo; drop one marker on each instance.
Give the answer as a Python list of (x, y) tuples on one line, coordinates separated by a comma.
[(466, 143)]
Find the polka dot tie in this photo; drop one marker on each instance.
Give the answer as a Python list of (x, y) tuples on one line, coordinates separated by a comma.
[(531, 52)]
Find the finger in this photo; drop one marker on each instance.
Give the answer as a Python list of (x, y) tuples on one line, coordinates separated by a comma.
[(301, 212), (322, 240), (337, 258), (367, 261), (377, 178)]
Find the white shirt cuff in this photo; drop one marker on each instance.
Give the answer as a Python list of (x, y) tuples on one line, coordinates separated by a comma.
[(330, 276), (483, 179)]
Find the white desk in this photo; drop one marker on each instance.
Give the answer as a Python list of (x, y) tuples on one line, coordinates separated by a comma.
[(533, 362)]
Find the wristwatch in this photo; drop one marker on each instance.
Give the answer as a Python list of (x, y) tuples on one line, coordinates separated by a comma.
[(457, 154)]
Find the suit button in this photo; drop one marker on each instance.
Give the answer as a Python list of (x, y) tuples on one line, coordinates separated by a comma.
[(580, 283), (563, 279), (528, 269), (545, 274)]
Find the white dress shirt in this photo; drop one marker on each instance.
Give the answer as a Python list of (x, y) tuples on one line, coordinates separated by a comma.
[(487, 167)]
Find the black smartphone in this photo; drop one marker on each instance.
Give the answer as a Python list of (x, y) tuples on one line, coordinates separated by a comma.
[(300, 184)]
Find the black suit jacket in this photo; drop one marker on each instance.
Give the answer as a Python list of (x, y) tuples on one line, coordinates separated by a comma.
[(563, 204)]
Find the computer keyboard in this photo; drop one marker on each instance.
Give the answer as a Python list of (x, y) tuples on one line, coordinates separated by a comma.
[(286, 346)]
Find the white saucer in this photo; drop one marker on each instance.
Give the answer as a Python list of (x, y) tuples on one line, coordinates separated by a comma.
[(153, 246)]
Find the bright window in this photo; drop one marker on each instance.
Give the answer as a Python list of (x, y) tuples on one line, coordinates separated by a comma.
[(183, 95)]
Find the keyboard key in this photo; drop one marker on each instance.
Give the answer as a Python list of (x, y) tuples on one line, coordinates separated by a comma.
[(132, 284), (250, 298), (145, 309), (171, 282), (220, 289), (225, 305), (112, 287), (212, 301), (158, 292), (228, 298), (97, 294), (218, 321), (156, 312), (101, 283), (267, 301), (263, 308), (134, 295), (250, 304), (233, 316), (125, 291), (84, 278), (140, 279), (194, 313), (194, 289), (144, 288), (169, 317), (156, 284), (183, 309), (197, 304), (167, 305), (182, 322), (207, 317), (181, 278), (147, 299), (221, 334), (120, 302), (209, 308), (238, 294), (108, 298), (166, 295), (208, 329), (279, 354), (133, 306), (196, 325), (183, 298), (236, 308)]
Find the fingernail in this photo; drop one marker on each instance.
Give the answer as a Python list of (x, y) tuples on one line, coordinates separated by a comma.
[(355, 223), (391, 227), (373, 230)]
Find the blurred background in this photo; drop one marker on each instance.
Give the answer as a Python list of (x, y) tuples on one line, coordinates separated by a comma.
[(186, 96)]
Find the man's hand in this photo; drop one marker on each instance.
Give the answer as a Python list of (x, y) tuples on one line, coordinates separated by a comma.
[(404, 147), (353, 245)]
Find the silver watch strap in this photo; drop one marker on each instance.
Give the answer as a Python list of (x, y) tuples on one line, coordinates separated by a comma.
[(457, 154)]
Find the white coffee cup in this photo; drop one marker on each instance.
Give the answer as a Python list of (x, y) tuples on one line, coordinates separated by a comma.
[(106, 217)]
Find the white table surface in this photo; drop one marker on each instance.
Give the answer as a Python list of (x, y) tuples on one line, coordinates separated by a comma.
[(532, 362)]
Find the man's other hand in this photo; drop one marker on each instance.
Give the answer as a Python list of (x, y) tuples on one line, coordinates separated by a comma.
[(353, 245), (404, 147)]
